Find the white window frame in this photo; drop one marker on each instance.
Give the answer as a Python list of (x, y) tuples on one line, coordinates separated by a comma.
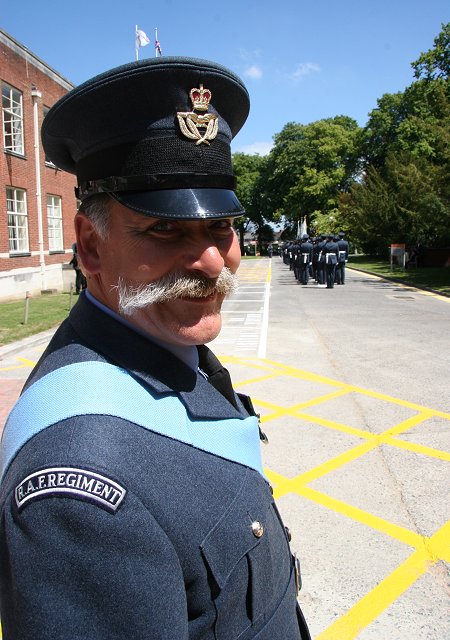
[(12, 112), (16, 206), (55, 223)]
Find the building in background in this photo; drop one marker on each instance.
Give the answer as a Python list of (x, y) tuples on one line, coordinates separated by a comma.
[(37, 200)]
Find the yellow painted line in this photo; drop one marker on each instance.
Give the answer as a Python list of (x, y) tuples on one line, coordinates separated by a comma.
[(306, 375), (397, 532), (403, 403), (244, 383), (337, 426), (382, 438), (366, 273), (432, 294), (366, 610), (14, 368), (273, 477), (293, 372), (417, 448), (279, 411), (413, 421), (439, 543), (323, 469), (27, 362), (249, 363), (427, 550)]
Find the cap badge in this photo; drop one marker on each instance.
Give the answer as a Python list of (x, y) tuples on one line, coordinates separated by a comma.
[(191, 122)]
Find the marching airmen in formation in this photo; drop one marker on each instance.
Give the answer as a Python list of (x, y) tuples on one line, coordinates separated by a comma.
[(323, 259)]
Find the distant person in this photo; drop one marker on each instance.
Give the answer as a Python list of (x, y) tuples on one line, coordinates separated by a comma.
[(343, 258), (330, 252), (305, 257), (80, 278)]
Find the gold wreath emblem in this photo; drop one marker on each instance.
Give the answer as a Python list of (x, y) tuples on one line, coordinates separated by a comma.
[(191, 122)]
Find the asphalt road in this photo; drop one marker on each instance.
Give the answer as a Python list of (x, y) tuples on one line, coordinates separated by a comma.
[(352, 387), (353, 393)]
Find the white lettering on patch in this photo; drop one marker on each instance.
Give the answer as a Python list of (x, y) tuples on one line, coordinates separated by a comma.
[(70, 482)]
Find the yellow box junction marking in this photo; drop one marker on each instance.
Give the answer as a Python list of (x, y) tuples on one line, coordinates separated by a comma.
[(426, 550), (24, 364)]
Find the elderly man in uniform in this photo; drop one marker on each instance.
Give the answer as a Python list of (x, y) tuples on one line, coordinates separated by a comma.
[(143, 511)]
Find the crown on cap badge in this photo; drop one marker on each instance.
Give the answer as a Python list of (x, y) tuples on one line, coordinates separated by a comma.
[(191, 122)]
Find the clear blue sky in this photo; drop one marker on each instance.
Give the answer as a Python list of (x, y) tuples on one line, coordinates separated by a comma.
[(301, 60)]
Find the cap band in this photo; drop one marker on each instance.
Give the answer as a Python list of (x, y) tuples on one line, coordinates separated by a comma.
[(155, 182)]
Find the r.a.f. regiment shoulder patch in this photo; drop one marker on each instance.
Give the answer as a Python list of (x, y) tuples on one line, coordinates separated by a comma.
[(70, 482)]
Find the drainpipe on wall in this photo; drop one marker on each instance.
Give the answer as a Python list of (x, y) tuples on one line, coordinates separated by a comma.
[(36, 95)]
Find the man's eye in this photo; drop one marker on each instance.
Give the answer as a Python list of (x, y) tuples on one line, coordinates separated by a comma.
[(222, 224), (162, 226)]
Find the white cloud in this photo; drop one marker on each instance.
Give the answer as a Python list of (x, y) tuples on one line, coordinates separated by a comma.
[(254, 72), (305, 69), (262, 148)]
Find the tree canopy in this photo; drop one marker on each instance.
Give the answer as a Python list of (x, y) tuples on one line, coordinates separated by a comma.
[(404, 193), (387, 182)]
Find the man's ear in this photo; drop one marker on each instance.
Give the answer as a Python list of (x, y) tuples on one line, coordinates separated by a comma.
[(87, 244)]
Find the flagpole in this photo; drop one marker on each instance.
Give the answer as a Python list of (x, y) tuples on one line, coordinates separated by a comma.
[(156, 40), (136, 43)]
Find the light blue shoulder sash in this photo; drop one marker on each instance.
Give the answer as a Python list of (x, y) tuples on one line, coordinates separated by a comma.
[(100, 388)]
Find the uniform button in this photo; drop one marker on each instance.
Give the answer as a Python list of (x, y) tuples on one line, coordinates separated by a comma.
[(257, 529), (288, 533)]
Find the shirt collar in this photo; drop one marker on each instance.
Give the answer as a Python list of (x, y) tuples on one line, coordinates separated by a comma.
[(187, 354)]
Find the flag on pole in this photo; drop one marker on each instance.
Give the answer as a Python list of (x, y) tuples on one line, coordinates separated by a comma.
[(142, 39), (303, 230), (158, 51)]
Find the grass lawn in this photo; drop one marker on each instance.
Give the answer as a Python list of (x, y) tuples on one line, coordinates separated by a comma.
[(436, 278), (44, 312)]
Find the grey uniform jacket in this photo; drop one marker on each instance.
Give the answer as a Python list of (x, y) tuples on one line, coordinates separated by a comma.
[(178, 558)]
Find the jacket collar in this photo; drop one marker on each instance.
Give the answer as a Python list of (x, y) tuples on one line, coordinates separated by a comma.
[(151, 363)]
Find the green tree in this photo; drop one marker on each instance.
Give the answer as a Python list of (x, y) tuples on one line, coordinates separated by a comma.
[(435, 63), (404, 192), (308, 167), (408, 203), (248, 170)]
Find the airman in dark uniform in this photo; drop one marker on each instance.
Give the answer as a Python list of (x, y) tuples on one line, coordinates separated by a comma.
[(330, 252), (343, 258), (305, 258), (319, 259), (141, 509)]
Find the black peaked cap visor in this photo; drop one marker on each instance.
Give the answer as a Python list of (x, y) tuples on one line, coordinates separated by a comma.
[(185, 204)]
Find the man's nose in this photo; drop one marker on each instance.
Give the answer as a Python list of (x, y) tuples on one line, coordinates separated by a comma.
[(204, 256)]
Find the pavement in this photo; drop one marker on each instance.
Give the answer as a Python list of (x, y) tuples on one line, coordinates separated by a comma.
[(358, 422), (15, 368)]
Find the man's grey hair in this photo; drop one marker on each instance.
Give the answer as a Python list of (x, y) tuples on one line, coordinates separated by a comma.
[(97, 208)]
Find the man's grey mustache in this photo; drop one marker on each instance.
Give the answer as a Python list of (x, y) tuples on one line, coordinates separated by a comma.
[(172, 286)]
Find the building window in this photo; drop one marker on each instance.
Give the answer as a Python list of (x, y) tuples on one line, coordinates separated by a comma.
[(55, 228), (16, 205), (12, 109)]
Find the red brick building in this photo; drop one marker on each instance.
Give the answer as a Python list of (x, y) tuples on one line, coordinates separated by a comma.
[(37, 199)]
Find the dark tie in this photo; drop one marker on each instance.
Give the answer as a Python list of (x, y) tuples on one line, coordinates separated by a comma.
[(218, 376)]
